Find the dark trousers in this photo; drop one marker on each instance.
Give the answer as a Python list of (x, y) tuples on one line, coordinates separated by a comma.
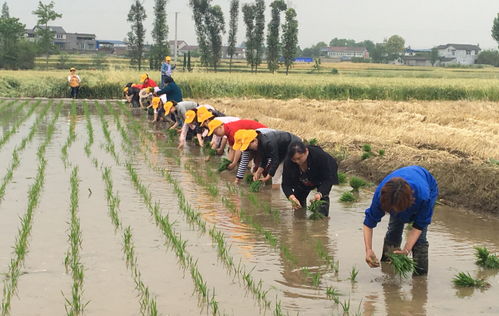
[(163, 79), (302, 193), (74, 92), (393, 239)]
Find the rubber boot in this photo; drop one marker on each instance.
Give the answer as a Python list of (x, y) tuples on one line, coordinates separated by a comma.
[(420, 256), (388, 247)]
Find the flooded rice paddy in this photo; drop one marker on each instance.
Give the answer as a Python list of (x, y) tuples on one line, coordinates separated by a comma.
[(100, 213)]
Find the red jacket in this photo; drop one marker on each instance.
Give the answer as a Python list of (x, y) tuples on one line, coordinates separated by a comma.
[(232, 127), (148, 83)]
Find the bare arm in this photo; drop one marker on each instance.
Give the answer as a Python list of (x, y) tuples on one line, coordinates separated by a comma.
[(412, 237), (371, 259)]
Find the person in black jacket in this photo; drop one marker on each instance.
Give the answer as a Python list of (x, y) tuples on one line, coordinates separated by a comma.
[(306, 168), (270, 146)]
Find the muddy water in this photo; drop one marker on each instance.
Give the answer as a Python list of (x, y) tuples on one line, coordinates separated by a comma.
[(109, 287)]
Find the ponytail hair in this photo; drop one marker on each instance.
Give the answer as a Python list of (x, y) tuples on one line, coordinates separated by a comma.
[(396, 195)]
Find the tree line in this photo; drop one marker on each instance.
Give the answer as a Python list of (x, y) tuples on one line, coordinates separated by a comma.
[(209, 24)]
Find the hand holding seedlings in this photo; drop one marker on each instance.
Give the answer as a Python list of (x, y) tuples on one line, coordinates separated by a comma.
[(402, 264), (294, 202)]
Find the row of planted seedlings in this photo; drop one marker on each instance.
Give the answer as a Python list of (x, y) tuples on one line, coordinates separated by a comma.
[(20, 119), (21, 243), (7, 109), (269, 237), (74, 302), (15, 161), (193, 217), (174, 239), (71, 135), (147, 301)]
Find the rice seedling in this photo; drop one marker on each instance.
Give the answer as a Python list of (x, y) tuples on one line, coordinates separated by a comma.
[(248, 178), (313, 142), (347, 197), (255, 186), (333, 294), (366, 156), (486, 259), (402, 264), (356, 183), (353, 274), (315, 207), (90, 130), (366, 148), (223, 164), (316, 279), (17, 123), (342, 177), (381, 152), (466, 280), (345, 305)]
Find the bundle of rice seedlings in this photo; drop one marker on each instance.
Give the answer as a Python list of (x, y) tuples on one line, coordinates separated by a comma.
[(381, 152), (347, 197), (313, 142), (402, 264), (342, 177), (366, 148), (224, 164), (356, 183), (248, 178), (255, 186), (171, 133), (466, 280), (314, 207), (486, 259)]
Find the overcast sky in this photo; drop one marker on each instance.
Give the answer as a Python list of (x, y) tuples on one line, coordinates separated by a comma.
[(422, 23)]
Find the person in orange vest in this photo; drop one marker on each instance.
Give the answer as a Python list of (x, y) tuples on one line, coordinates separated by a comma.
[(74, 83)]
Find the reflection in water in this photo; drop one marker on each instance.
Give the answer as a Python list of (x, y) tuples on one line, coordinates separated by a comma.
[(397, 301)]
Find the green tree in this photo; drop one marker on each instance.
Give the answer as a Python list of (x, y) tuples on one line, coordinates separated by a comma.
[(289, 38), (378, 54), (5, 11), (200, 11), (394, 46), (234, 13), (159, 34), (45, 13), (216, 27), (369, 45), (249, 21), (273, 45), (259, 32), (495, 29), (434, 56), (136, 36), (488, 57), (11, 32), (342, 42), (314, 50)]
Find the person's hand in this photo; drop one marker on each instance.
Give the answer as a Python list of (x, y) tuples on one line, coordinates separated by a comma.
[(232, 165), (317, 197), (201, 143), (257, 174), (404, 251), (267, 178), (371, 259), (237, 181), (294, 201)]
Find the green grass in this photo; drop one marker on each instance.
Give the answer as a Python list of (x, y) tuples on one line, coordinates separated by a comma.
[(356, 183), (463, 279), (342, 177), (486, 259), (315, 207), (402, 264), (347, 197)]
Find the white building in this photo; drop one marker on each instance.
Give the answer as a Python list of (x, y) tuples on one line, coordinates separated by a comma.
[(345, 53), (462, 54)]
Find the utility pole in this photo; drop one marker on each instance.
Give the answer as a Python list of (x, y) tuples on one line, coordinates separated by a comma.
[(176, 47)]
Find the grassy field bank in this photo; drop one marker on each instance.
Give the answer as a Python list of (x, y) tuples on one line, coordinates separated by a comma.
[(456, 141), (354, 82)]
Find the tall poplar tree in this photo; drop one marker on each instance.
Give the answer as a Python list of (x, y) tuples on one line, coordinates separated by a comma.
[(5, 11), (231, 47), (160, 47), (45, 13), (249, 21), (259, 32), (273, 45), (495, 29), (289, 38), (136, 36), (200, 10)]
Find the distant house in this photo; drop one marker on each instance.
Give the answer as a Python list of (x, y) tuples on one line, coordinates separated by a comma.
[(67, 41), (180, 45), (239, 53), (112, 47), (463, 54), (345, 53), (417, 60)]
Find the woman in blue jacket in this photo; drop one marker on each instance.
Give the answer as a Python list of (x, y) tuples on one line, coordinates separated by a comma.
[(408, 194)]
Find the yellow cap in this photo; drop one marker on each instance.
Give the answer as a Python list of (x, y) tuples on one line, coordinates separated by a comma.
[(155, 102), (242, 139), (72, 69), (204, 114), (143, 77), (168, 106), (125, 89), (168, 58), (190, 116), (213, 125)]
